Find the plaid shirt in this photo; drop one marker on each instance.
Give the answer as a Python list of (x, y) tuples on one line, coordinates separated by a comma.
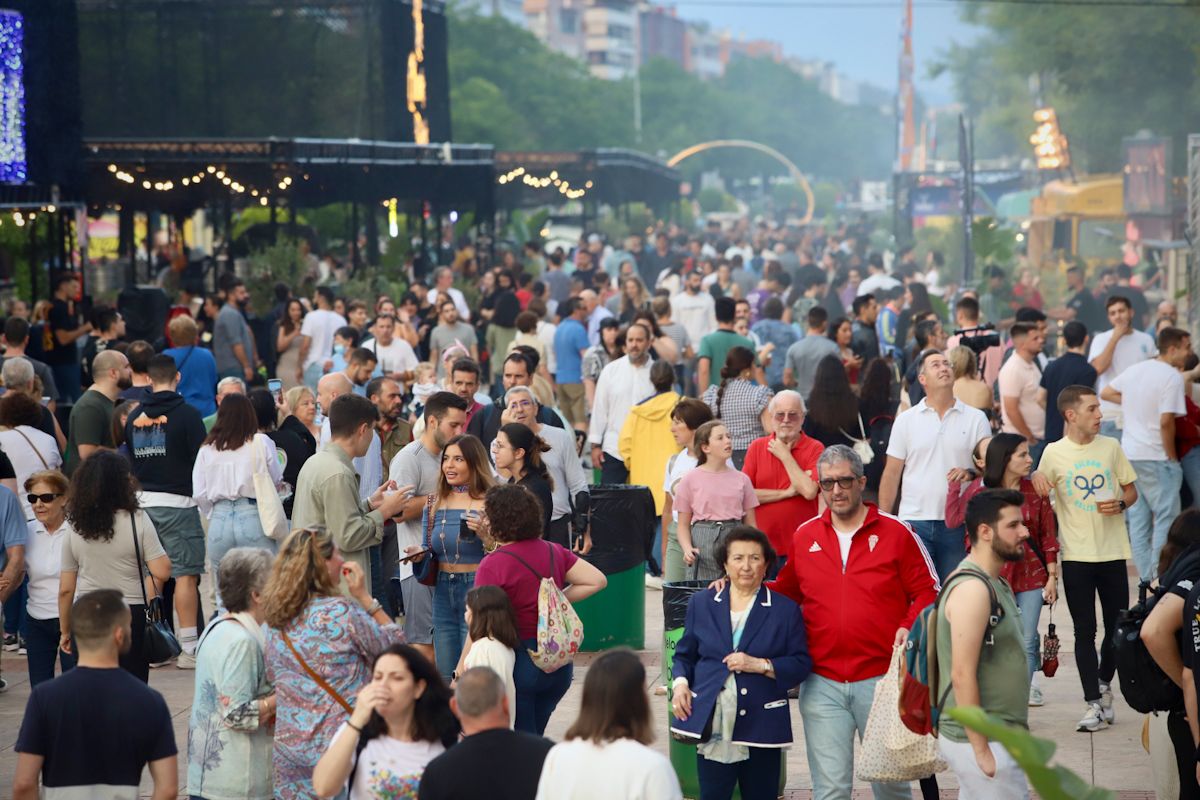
[(1029, 573), (741, 409)]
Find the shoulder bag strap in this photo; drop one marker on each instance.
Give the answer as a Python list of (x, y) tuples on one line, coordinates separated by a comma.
[(191, 350), (536, 574), (324, 684), (37, 452), (429, 522), (137, 550)]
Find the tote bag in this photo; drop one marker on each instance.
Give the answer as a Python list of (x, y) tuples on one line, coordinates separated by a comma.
[(890, 751), (270, 507)]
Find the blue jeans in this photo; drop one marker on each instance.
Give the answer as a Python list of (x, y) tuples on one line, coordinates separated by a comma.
[(1031, 603), (1157, 506), (1191, 473), (234, 523), (833, 713), (312, 374), (538, 692), (14, 610), (449, 619), (757, 777), (68, 381), (945, 545), (1110, 429), (41, 638)]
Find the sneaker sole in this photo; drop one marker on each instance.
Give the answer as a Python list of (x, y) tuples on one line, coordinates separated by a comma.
[(1085, 729)]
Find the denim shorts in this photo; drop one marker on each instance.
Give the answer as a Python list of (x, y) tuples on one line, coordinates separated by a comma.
[(182, 536)]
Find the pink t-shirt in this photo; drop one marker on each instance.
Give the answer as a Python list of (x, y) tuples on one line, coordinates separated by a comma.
[(521, 585), (715, 496)]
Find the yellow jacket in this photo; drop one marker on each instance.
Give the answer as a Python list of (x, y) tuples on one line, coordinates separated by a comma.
[(646, 443)]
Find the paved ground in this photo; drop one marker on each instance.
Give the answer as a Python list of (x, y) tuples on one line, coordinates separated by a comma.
[(1112, 758)]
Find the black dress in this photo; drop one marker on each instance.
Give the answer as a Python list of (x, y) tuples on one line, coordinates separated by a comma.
[(297, 445), (541, 490)]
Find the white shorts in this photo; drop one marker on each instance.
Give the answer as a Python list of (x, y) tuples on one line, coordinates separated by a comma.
[(1008, 784)]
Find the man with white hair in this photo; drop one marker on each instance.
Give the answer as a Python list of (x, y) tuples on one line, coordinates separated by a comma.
[(596, 313), (783, 468), (225, 387), (443, 284), (570, 486), (18, 374)]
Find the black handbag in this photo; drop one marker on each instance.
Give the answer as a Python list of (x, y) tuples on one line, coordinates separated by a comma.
[(158, 642), (426, 570)]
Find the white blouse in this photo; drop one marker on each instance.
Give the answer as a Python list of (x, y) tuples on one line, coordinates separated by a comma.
[(43, 563), (229, 474)]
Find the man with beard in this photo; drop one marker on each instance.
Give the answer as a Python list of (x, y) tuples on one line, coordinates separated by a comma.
[(233, 343), (91, 417), (419, 465), (393, 433), (981, 660), (621, 384)]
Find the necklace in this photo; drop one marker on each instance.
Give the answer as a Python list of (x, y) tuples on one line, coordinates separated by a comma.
[(461, 489), (445, 512)]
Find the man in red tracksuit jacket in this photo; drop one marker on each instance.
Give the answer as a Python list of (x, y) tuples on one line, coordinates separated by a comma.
[(860, 577)]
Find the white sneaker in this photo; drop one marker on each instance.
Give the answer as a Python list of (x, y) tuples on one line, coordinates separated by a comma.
[(1035, 697), (1093, 720), (185, 661), (1106, 703)]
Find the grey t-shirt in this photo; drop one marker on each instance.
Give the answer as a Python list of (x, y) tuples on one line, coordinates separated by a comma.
[(112, 564), (803, 358), (444, 336), (679, 335), (417, 467), (230, 330)]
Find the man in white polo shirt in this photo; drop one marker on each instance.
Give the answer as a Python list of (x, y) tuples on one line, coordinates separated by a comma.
[(931, 444), (1150, 394), (1113, 352)]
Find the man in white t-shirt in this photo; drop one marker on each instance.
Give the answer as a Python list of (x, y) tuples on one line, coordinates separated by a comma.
[(396, 357), (694, 308), (316, 337), (443, 284), (931, 444), (1151, 397), (1113, 352), (1022, 398)]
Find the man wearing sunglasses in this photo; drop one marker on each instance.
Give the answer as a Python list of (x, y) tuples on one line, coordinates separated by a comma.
[(860, 577), (783, 468)]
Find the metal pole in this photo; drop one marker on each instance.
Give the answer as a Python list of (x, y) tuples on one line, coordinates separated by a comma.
[(966, 158), (637, 75)]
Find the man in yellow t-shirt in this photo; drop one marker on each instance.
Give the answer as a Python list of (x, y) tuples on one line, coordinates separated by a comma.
[(1093, 484)]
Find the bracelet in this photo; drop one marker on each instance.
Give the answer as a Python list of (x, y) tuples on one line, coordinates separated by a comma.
[(376, 606), (352, 726)]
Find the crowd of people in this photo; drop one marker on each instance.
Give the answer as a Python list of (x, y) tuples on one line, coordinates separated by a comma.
[(383, 491)]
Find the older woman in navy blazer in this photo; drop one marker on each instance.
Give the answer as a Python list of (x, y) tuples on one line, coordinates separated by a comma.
[(742, 649)]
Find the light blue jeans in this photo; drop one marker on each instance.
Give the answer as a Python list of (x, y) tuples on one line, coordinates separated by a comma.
[(947, 546), (833, 713), (449, 619), (1191, 473), (1031, 603), (1111, 430), (234, 523), (1157, 506)]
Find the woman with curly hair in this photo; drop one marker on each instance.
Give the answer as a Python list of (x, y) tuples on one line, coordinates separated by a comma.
[(401, 722), (319, 651), (100, 552), (739, 402)]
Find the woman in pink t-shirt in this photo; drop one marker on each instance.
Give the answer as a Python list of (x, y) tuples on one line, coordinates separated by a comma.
[(518, 563), (711, 499)]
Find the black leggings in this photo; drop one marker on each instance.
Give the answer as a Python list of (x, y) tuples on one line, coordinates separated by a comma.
[(1082, 582), (1185, 755)]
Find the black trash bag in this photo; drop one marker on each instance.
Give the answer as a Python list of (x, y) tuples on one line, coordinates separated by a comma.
[(622, 520)]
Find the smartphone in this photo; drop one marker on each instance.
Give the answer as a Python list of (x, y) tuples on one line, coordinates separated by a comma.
[(416, 555), (275, 387)]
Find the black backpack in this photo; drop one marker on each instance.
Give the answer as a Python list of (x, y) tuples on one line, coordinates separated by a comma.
[(1143, 683)]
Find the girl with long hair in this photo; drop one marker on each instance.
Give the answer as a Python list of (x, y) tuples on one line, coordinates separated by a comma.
[(100, 552), (492, 625), (518, 453), (287, 343), (223, 479), (606, 752), (401, 722), (320, 650), (841, 333), (833, 409), (739, 402), (451, 523), (634, 298), (711, 500)]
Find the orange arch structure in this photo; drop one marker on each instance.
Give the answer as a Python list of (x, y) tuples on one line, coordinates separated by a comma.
[(746, 144)]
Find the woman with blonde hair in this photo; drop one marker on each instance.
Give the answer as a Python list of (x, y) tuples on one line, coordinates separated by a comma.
[(319, 651), (46, 492), (968, 387), (302, 415)]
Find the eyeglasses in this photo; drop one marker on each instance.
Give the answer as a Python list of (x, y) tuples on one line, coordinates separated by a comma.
[(826, 484), (42, 498), (786, 415), (520, 404)]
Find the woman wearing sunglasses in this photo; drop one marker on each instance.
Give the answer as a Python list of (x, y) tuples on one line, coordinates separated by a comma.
[(46, 494)]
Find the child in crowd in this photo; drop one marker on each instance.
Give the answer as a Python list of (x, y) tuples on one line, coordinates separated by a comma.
[(424, 385), (711, 499), (492, 626)]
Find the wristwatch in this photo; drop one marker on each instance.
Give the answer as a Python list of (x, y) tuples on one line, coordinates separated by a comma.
[(1123, 505)]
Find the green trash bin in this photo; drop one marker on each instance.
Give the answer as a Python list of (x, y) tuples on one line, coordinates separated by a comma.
[(676, 596), (622, 521)]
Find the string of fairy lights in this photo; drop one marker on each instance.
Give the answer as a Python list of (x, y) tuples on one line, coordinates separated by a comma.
[(563, 186), (210, 173)]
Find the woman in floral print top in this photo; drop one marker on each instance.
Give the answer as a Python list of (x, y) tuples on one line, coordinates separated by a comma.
[(315, 630)]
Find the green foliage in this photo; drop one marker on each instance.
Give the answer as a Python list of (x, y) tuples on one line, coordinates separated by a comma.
[(991, 242), (270, 265), (1095, 69), (712, 200), (1032, 756)]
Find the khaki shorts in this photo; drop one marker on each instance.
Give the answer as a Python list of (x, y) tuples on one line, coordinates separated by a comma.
[(571, 401)]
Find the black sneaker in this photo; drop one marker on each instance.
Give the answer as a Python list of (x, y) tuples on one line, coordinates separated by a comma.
[(11, 642)]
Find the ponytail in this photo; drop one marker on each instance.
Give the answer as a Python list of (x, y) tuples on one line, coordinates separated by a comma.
[(521, 437), (737, 360)]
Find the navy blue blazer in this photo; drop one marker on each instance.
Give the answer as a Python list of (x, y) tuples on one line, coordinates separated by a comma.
[(774, 630)]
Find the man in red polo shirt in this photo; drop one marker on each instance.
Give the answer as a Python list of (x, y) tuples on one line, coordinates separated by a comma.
[(783, 469)]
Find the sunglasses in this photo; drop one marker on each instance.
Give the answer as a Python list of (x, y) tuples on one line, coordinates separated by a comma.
[(845, 483), (42, 498)]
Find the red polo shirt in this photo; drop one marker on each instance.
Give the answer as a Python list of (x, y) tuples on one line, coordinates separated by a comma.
[(779, 520)]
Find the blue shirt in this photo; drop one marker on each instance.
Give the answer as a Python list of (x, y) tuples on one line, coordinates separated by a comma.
[(197, 377), (570, 338), (783, 336), (14, 532)]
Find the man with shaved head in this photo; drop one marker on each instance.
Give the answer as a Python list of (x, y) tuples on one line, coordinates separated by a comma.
[(370, 466), (91, 417)]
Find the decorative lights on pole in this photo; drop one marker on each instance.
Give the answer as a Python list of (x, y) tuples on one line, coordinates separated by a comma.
[(13, 166), (1050, 146)]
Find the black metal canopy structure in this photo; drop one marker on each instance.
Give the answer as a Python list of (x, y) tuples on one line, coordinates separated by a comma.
[(605, 176)]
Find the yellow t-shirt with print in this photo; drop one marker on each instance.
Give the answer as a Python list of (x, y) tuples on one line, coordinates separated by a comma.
[(1083, 475)]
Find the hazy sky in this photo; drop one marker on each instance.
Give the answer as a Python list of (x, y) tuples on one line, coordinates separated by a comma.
[(863, 42)]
